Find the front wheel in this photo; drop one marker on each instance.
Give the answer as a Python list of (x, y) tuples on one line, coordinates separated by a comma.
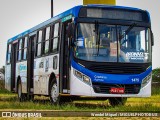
[(53, 93), (117, 101)]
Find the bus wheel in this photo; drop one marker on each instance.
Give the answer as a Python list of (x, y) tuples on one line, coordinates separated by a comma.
[(21, 96), (54, 97), (117, 101)]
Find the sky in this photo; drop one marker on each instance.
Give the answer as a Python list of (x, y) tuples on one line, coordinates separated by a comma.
[(17, 16)]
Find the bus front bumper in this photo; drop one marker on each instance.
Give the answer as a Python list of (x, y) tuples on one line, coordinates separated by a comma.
[(80, 88)]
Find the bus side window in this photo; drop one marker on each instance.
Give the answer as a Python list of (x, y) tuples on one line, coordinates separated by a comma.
[(47, 37), (25, 44), (19, 50), (9, 54), (39, 41), (55, 38)]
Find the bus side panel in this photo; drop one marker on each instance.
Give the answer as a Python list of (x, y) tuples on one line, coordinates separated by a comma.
[(53, 67), (21, 71), (8, 77), (38, 74), (42, 71)]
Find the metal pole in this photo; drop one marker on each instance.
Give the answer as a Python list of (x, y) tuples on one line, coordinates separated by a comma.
[(51, 8)]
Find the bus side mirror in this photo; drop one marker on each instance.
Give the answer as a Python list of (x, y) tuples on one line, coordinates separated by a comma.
[(70, 30), (152, 39)]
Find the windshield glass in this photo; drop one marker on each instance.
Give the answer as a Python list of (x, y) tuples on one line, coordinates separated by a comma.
[(111, 43), (135, 46)]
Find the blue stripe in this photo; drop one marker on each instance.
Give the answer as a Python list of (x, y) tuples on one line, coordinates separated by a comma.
[(112, 78)]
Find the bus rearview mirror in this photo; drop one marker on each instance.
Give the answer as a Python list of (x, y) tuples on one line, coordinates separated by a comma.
[(152, 39)]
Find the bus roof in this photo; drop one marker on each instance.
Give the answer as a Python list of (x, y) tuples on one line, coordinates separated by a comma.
[(73, 11)]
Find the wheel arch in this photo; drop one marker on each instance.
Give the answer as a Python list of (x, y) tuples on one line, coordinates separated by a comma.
[(51, 78)]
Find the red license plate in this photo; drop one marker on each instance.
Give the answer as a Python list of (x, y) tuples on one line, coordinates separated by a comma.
[(117, 90)]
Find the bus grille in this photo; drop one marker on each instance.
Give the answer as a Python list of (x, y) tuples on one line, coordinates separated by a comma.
[(105, 88), (118, 69), (114, 67)]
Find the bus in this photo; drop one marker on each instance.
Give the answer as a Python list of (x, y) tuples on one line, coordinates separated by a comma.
[(94, 51)]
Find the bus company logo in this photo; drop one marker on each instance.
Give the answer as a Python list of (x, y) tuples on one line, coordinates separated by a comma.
[(100, 78), (22, 67), (137, 55)]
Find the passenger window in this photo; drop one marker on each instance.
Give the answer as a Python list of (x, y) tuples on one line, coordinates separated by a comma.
[(19, 55), (55, 44), (9, 54), (56, 30), (47, 36), (39, 41), (55, 38), (55, 60), (25, 54), (25, 48), (47, 33), (46, 46), (20, 50), (20, 44), (25, 42), (40, 36)]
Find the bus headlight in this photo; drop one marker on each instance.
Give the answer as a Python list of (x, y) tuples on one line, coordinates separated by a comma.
[(78, 74), (82, 77), (146, 80), (86, 79)]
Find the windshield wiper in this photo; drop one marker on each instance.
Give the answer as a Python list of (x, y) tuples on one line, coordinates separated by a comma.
[(97, 35), (127, 31)]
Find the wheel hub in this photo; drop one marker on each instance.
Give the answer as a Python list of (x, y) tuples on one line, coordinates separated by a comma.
[(54, 93)]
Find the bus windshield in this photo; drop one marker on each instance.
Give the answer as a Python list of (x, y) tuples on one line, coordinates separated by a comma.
[(113, 43)]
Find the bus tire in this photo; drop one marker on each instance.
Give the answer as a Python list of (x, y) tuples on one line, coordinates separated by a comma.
[(117, 101), (53, 92), (21, 96)]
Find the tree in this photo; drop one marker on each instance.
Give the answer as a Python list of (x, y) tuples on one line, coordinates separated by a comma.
[(156, 75)]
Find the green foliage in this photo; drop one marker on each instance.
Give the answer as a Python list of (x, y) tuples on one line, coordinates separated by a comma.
[(156, 75), (2, 88), (10, 101), (155, 90), (1, 84)]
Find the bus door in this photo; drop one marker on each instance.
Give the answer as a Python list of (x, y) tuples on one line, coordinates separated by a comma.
[(30, 64), (13, 65), (65, 61)]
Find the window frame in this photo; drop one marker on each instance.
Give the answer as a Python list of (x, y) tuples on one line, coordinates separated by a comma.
[(51, 38)]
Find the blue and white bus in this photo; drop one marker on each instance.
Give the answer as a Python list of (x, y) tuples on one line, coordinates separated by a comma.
[(94, 51)]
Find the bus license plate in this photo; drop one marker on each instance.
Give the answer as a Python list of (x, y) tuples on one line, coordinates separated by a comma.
[(117, 90)]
